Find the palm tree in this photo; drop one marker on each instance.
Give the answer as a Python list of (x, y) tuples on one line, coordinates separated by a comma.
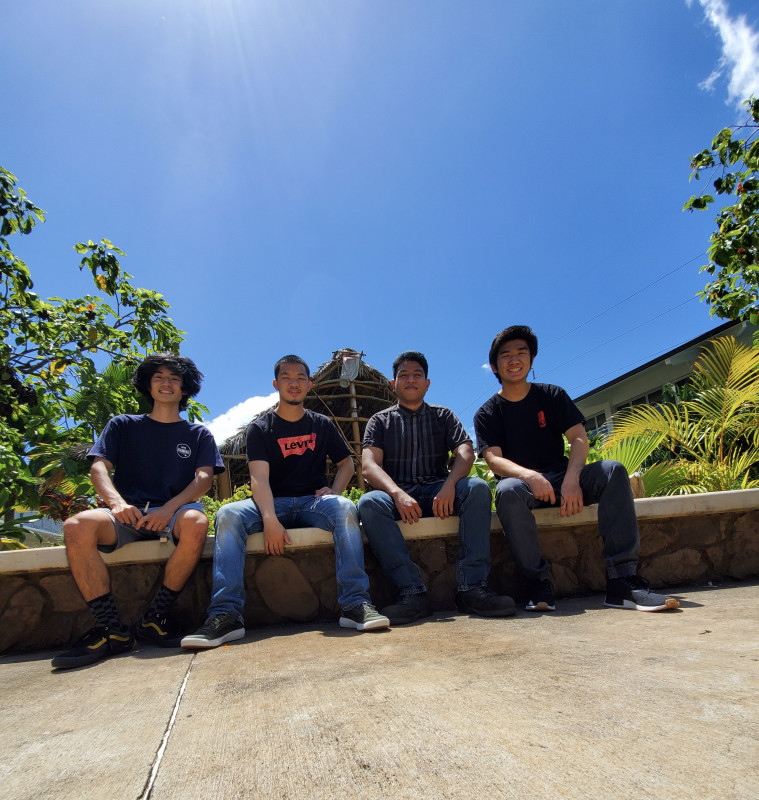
[(707, 443)]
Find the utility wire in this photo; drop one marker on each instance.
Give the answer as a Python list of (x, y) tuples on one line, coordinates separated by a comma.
[(614, 338), (625, 299)]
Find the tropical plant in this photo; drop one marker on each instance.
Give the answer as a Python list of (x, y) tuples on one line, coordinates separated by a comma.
[(734, 252), (710, 441), (56, 388), (211, 505), (13, 533)]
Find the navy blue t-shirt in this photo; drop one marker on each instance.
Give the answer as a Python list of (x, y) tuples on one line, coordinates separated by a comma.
[(296, 451), (529, 431), (155, 461)]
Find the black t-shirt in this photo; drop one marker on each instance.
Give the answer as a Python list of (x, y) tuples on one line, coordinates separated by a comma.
[(529, 431), (295, 451), (155, 461)]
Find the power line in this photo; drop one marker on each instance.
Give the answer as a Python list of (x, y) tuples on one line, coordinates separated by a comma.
[(619, 336), (624, 300)]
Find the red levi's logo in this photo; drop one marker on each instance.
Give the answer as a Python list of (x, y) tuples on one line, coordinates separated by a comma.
[(297, 445), (542, 419)]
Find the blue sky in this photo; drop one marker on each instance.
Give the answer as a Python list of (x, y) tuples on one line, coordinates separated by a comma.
[(305, 175)]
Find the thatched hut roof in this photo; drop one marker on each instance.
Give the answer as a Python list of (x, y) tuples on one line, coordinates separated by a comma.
[(348, 402)]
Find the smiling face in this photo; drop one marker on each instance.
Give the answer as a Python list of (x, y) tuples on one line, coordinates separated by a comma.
[(410, 385), (513, 362), (166, 386), (292, 383)]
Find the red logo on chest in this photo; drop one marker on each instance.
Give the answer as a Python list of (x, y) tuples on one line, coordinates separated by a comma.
[(542, 419), (297, 445)]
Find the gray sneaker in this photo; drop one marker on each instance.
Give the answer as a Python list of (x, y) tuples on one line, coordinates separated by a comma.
[(215, 631), (632, 591), (364, 617)]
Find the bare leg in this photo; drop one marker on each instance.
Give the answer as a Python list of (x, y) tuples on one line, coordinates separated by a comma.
[(190, 529), (82, 535)]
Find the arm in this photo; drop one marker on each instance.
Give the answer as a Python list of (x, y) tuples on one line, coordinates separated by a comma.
[(345, 470), (100, 475), (571, 494), (539, 486), (275, 535), (158, 520), (371, 463), (442, 504)]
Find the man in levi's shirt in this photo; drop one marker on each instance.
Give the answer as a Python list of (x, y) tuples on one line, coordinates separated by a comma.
[(287, 451), (520, 433)]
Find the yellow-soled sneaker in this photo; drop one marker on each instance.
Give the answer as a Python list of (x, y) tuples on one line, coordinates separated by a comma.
[(98, 643)]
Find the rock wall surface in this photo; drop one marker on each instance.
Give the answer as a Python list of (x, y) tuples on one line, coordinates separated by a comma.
[(683, 540)]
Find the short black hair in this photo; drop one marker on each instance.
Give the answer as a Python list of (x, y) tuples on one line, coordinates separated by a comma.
[(291, 359), (508, 335), (410, 355), (191, 376)]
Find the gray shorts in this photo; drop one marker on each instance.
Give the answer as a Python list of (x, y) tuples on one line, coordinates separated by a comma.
[(126, 533)]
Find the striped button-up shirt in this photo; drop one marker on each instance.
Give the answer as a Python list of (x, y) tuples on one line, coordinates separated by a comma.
[(415, 444)]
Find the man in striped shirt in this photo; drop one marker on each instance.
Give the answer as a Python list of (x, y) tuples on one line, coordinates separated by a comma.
[(405, 457)]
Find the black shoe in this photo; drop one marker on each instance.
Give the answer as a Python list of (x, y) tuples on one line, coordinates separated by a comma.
[(484, 603), (98, 643), (364, 617), (158, 630), (632, 591), (409, 608), (541, 596), (215, 631)]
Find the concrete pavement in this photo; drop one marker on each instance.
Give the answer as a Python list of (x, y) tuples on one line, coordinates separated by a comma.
[(584, 703)]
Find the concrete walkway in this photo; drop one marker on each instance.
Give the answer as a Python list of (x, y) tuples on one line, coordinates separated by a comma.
[(584, 703)]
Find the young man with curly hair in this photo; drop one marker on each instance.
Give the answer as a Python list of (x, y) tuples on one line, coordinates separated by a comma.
[(149, 470)]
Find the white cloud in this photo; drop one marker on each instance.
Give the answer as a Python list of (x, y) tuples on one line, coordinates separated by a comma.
[(228, 423), (740, 53), (486, 367)]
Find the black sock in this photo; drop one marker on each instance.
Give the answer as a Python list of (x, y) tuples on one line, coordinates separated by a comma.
[(162, 602), (103, 608)]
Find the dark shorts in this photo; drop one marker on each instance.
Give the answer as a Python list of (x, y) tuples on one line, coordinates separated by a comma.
[(126, 533)]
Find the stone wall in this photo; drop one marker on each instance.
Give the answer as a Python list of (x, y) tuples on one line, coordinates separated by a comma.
[(683, 540)]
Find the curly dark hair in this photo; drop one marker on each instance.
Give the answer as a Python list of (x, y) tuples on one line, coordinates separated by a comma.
[(191, 376), (508, 335)]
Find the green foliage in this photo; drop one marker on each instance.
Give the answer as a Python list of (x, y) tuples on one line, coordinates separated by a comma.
[(480, 469), (12, 534), (707, 443), (354, 494), (57, 387), (211, 505), (734, 252)]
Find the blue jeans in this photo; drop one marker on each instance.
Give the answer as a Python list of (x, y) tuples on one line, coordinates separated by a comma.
[(236, 521), (603, 482), (378, 515)]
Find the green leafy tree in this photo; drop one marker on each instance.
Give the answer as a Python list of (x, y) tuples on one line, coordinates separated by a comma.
[(732, 164), (707, 443), (65, 363)]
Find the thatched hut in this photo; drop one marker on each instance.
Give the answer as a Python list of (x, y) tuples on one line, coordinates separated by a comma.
[(346, 389)]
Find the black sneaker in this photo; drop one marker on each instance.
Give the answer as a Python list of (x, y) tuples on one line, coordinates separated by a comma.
[(215, 631), (632, 591), (484, 603), (364, 617), (98, 643), (541, 596), (158, 630), (409, 608)]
